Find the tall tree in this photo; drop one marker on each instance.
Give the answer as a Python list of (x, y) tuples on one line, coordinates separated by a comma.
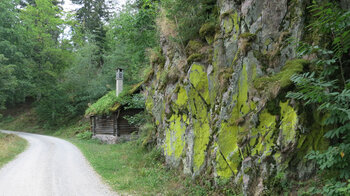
[(130, 33), (92, 16), (43, 27), (11, 39)]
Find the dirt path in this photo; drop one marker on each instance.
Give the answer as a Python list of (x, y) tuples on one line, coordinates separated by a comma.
[(50, 167)]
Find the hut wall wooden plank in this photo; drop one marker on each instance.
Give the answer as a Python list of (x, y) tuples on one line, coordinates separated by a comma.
[(115, 124)]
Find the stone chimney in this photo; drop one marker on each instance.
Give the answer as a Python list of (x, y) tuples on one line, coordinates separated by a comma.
[(119, 81)]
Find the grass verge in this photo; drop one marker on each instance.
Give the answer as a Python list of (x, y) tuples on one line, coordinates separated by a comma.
[(130, 169), (10, 146)]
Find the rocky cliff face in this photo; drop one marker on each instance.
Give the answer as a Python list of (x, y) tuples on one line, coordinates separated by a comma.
[(220, 104)]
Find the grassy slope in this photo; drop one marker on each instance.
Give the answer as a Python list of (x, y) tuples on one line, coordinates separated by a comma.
[(25, 121), (10, 146)]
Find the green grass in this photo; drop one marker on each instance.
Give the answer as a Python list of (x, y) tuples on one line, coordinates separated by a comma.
[(130, 169), (10, 146)]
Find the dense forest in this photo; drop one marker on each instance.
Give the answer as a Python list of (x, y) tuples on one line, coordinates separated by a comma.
[(252, 95), (61, 62)]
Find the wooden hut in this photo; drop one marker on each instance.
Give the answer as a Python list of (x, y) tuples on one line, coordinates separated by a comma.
[(109, 119)]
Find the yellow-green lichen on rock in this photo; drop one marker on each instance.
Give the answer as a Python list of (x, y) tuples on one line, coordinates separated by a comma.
[(289, 123), (236, 21), (228, 156), (231, 22), (214, 76), (228, 25), (242, 98), (182, 97), (181, 102), (201, 133), (175, 136), (199, 80), (198, 97), (262, 137)]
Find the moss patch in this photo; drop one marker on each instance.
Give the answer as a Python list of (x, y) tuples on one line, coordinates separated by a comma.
[(248, 36), (207, 31), (281, 79), (110, 102), (149, 104), (196, 57), (193, 46), (103, 105)]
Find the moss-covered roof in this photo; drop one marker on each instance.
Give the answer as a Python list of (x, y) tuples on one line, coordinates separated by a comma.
[(110, 103)]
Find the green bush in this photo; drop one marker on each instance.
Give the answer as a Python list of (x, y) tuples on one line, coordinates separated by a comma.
[(327, 87), (86, 135)]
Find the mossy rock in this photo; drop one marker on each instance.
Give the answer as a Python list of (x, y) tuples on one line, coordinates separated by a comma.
[(207, 29), (231, 21), (156, 58), (193, 46), (195, 57), (248, 36), (282, 79)]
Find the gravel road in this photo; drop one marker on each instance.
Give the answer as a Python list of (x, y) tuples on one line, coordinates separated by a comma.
[(50, 167)]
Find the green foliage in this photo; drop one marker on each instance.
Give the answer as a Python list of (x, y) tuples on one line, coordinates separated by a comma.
[(91, 16), (32, 58), (331, 21), (12, 36), (130, 33), (54, 109), (277, 185), (136, 101), (189, 16), (331, 188), (328, 87), (8, 81), (86, 135), (63, 73), (137, 119)]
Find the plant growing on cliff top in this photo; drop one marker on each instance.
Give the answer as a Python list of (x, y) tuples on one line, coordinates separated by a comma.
[(188, 16), (328, 87)]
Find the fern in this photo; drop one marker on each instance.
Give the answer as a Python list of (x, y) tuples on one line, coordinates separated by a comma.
[(327, 87)]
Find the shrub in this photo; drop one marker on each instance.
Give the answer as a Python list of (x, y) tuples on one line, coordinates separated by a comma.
[(86, 135), (328, 88)]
